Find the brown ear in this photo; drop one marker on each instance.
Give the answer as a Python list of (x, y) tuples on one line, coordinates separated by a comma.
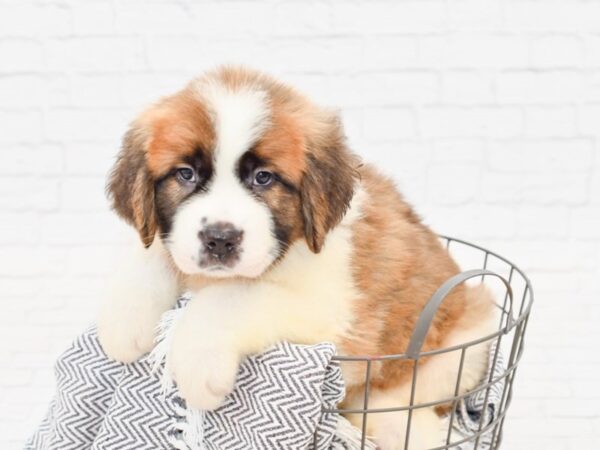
[(131, 188), (326, 190)]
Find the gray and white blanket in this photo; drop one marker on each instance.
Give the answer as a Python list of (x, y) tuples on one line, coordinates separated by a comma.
[(277, 404)]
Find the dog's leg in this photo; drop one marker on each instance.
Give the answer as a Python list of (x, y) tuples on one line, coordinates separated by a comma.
[(436, 381), (389, 429), (224, 322), (142, 287)]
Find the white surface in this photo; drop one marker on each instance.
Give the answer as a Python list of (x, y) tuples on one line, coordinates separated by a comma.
[(487, 112)]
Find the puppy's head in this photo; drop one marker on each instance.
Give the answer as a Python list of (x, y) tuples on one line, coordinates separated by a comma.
[(231, 171)]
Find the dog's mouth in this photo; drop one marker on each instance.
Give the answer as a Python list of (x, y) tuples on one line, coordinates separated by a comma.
[(218, 262), (217, 271), (211, 264), (216, 268)]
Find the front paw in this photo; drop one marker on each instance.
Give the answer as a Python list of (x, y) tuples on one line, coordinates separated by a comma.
[(203, 368), (126, 334)]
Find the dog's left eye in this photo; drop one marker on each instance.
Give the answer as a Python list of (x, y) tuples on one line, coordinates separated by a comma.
[(263, 178), (186, 175)]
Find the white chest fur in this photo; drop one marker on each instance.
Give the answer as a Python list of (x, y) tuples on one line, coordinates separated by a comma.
[(323, 282)]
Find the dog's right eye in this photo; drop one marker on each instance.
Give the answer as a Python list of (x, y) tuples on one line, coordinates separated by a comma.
[(186, 175)]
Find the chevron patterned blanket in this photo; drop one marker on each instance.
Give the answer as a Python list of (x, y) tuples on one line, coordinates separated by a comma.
[(103, 404), (277, 404)]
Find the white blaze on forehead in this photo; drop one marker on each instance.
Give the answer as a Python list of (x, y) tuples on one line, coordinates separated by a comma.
[(240, 117)]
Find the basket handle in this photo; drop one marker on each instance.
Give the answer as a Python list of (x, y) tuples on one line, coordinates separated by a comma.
[(424, 322)]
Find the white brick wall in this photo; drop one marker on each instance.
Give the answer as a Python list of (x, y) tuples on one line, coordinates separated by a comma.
[(487, 112)]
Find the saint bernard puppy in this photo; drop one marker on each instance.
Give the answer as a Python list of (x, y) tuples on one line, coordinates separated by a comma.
[(244, 192)]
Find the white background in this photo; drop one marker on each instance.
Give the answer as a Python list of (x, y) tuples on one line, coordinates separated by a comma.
[(486, 112)]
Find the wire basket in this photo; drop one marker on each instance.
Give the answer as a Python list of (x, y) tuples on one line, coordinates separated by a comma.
[(514, 297)]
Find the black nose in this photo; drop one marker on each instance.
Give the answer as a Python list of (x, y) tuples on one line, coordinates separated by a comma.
[(221, 240)]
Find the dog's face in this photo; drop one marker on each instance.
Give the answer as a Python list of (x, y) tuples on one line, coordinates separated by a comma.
[(231, 171)]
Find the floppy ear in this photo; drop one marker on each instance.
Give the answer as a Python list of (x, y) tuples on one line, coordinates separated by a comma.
[(326, 189), (131, 188)]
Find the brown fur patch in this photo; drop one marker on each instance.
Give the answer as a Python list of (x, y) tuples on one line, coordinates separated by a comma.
[(131, 187), (178, 127), (326, 192), (284, 146), (398, 264)]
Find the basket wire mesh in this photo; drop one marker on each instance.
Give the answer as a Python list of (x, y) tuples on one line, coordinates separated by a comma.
[(514, 301)]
